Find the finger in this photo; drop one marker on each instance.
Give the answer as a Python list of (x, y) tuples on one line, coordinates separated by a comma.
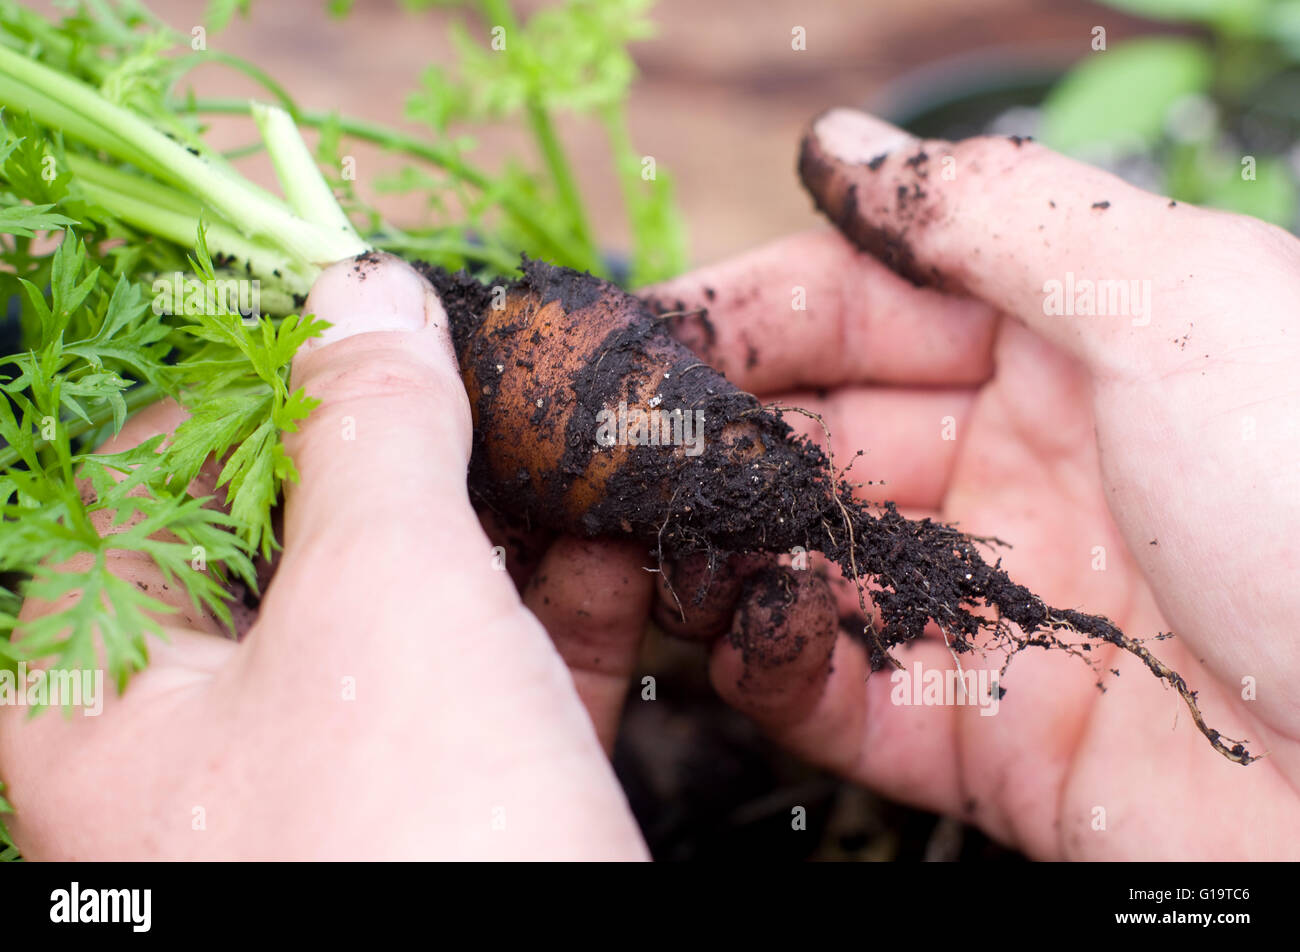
[(909, 438), (825, 704), (695, 597), (380, 517), (516, 550), (593, 598), (1018, 226), (773, 663), (813, 311)]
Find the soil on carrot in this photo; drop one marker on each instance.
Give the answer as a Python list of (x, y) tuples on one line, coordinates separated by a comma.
[(545, 355)]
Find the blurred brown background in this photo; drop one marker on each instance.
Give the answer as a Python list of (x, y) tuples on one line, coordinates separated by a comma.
[(721, 99)]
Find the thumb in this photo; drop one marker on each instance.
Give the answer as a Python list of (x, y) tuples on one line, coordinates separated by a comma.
[(381, 507)]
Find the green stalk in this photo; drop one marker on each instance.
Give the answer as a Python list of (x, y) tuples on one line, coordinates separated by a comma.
[(430, 152), (548, 142), (170, 214), (629, 180), (89, 171), (252, 71), (60, 102), (303, 185), (105, 17), (558, 165), (180, 229)]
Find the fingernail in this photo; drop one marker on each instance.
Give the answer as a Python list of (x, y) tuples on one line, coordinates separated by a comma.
[(853, 136), (374, 292)]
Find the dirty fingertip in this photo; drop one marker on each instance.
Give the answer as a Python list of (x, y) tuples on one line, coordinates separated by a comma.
[(853, 136), (774, 662), (372, 292), (696, 600)]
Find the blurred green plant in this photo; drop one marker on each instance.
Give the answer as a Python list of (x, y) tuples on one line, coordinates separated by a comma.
[(1218, 110), (568, 58)]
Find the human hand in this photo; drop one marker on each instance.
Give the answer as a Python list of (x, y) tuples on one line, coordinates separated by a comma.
[(394, 697), (1139, 464)]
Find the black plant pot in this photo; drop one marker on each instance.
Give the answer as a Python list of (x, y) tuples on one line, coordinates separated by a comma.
[(969, 94)]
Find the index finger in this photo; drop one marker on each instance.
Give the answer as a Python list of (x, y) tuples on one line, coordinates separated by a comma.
[(1100, 268), (811, 311)]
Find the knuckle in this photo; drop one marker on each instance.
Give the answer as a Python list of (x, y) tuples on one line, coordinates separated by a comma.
[(388, 374), (1001, 165), (991, 155), (1266, 244), (390, 384)]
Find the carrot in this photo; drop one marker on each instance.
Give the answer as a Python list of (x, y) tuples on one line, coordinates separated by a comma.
[(591, 418)]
